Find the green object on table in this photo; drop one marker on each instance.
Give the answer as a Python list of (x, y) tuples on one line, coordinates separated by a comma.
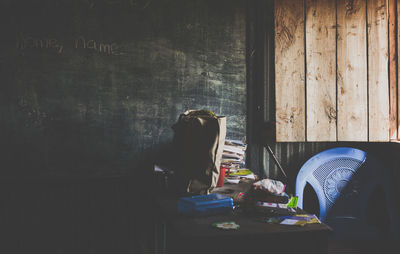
[(293, 202), (241, 172)]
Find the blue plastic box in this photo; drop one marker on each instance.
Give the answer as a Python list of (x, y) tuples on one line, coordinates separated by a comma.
[(205, 204)]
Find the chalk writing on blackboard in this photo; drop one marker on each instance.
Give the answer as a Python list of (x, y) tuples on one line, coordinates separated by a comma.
[(107, 48), (29, 42)]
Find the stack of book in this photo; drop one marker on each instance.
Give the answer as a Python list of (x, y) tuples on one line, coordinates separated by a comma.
[(233, 156), (233, 160)]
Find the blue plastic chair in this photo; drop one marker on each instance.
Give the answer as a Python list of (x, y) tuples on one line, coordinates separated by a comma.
[(328, 173)]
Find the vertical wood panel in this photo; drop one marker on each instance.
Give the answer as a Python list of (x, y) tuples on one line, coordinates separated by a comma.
[(378, 74), (321, 70), (392, 69), (352, 71), (289, 70), (395, 63)]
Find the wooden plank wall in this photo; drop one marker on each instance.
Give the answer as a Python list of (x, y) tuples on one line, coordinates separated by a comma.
[(394, 22), (378, 70), (289, 68), (392, 69), (345, 90), (321, 70), (352, 71)]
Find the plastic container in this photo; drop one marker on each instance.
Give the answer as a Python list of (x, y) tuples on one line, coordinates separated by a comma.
[(205, 204), (221, 177)]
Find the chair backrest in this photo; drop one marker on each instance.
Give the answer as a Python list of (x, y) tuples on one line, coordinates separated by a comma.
[(328, 173)]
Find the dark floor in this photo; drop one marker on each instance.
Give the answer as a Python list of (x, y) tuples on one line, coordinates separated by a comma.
[(366, 246)]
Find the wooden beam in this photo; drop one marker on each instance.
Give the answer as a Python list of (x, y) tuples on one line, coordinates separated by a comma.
[(289, 70), (321, 70), (352, 115), (394, 40), (378, 73), (392, 12)]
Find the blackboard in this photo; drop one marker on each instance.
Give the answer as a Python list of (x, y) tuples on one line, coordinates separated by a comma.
[(86, 86)]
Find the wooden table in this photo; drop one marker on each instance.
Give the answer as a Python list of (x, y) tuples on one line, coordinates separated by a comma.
[(188, 234)]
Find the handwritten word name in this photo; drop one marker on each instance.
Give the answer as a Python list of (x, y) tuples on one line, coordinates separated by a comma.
[(28, 42), (107, 48)]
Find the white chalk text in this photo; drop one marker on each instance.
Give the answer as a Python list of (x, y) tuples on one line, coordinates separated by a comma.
[(29, 42), (80, 43), (106, 48)]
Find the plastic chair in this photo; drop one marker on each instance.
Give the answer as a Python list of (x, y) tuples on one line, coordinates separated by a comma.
[(328, 173), (348, 183)]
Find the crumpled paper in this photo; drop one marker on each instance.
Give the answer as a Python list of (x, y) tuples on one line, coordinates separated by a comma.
[(272, 186)]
